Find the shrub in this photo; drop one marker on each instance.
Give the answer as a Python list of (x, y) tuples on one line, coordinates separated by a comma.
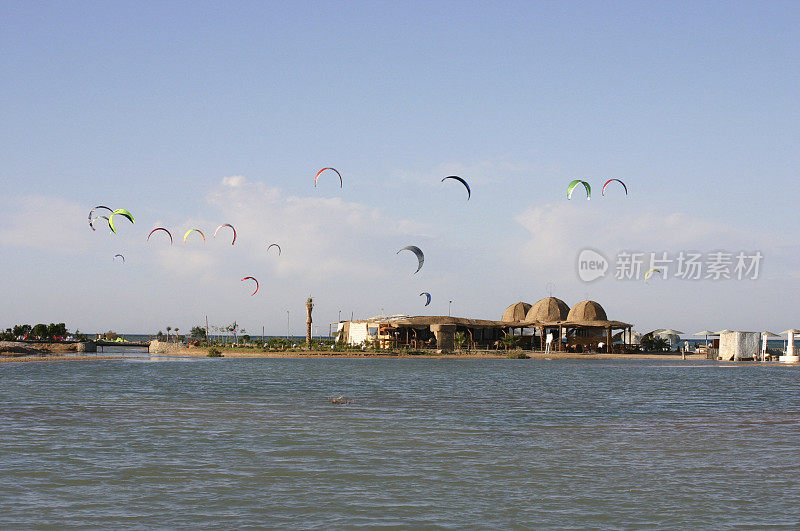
[(517, 355), (460, 339), (655, 344), (214, 352)]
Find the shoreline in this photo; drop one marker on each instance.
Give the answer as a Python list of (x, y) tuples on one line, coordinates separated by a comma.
[(202, 353)]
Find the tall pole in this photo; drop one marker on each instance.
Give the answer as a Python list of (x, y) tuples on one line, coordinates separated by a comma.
[(309, 307), (207, 339), (449, 304), (287, 325)]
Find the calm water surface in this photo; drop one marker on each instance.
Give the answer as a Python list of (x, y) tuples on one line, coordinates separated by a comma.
[(425, 443)]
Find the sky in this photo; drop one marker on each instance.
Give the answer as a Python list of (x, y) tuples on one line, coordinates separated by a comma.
[(194, 114)]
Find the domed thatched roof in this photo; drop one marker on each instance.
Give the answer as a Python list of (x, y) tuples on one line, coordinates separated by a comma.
[(548, 310), (587, 311), (516, 312)]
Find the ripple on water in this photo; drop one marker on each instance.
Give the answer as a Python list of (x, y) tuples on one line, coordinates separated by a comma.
[(446, 443)]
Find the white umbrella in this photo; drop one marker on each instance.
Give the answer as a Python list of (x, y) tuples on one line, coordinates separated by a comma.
[(726, 331), (705, 333)]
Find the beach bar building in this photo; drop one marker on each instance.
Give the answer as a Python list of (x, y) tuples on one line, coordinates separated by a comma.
[(403, 331), (583, 328)]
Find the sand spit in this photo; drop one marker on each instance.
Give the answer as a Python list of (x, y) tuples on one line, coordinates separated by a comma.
[(21, 348)]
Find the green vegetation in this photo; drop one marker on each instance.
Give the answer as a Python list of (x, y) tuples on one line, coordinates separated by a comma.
[(214, 352), (517, 354), (198, 332), (655, 344), (406, 352), (39, 332), (509, 341), (460, 339)]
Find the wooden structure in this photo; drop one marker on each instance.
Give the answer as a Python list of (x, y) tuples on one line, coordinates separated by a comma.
[(416, 332), (583, 328)]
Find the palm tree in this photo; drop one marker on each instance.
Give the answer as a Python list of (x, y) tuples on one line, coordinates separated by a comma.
[(168, 329), (176, 334), (460, 338), (509, 341)]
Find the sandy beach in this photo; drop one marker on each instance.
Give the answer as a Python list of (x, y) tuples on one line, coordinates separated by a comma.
[(55, 352)]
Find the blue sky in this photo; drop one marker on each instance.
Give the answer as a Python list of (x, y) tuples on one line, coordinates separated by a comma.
[(151, 106)]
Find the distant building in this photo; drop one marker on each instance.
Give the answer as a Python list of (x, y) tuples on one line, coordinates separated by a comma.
[(735, 346), (583, 328)]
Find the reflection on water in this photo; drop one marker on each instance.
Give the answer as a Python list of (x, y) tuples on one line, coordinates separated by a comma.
[(453, 443)]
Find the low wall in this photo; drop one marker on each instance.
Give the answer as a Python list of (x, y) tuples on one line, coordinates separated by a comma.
[(86, 346), (163, 347)]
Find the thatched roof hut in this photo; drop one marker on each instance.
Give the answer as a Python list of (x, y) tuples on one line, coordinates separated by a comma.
[(548, 310), (424, 321), (587, 311), (591, 314), (516, 312)]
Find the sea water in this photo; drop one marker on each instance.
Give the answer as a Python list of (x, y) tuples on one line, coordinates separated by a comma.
[(423, 442)]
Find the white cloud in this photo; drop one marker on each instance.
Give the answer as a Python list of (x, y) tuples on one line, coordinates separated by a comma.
[(557, 232), (320, 237)]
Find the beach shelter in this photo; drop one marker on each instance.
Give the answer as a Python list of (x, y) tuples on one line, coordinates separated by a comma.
[(765, 335), (705, 333)]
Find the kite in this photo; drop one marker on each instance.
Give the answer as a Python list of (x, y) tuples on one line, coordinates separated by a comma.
[(96, 218), (462, 181), (575, 183), (416, 250), (231, 227), (332, 169), (650, 272), (121, 212), (92, 219), (254, 280), (620, 182), (188, 232), (428, 295), (160, 228), (274, 245), (116, 255)]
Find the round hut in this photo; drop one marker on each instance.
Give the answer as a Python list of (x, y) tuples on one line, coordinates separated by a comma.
[(586, 311), (516, 312), (544, 315), (588, 328)]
